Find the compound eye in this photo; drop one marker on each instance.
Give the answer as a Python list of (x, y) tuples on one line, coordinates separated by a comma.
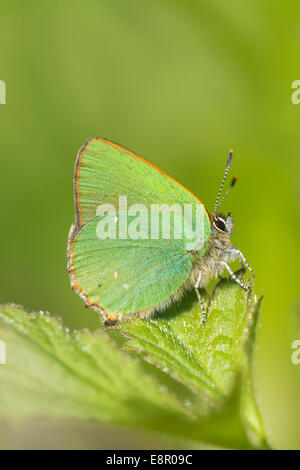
[(220, 224)]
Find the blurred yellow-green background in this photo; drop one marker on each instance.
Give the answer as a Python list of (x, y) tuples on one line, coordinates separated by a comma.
[(180, 83)]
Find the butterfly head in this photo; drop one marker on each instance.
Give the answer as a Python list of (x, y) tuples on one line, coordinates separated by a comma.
[(223, 224)]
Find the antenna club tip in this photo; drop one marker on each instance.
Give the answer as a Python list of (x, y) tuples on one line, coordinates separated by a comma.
[(233, 181), (230, 155)]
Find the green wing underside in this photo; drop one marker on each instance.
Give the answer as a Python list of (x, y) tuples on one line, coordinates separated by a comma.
[(125, 276), (107, 172), (128, 276)]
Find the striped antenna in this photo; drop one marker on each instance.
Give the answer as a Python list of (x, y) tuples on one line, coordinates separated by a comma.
[(228, 190), (230, 155)]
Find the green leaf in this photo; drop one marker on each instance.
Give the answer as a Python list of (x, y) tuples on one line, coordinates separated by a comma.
[(214, 361), (176, 377), (51, 371)]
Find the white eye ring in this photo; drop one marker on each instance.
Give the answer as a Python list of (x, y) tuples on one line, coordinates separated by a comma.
[(220, 219)]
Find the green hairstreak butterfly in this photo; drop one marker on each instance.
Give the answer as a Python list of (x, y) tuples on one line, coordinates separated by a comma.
[(140, 239)]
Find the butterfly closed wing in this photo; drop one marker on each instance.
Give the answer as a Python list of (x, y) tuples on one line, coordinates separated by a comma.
[(120, 275)]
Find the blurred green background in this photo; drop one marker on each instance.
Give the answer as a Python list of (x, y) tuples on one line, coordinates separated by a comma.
[(179, 83)]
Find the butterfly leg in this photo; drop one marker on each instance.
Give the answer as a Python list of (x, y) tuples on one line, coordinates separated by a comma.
[(243, 260), (202, 305), (233, 276)]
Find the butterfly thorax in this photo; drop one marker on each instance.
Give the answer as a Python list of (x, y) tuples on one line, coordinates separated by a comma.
[(219, 249)]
